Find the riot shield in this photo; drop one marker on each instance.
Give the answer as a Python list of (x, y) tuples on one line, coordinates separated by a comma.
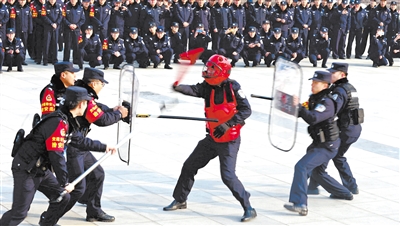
[(283, 113), (128, 97)]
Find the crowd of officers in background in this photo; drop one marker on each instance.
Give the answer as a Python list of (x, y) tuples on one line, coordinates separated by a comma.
[(103, 32)]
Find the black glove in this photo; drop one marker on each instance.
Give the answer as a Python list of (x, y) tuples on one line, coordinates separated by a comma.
[(126, 104), (220, 130)]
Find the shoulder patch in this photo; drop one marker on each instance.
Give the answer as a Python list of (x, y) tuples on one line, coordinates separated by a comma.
[(56, 141), (241, 94), (93, 112), (320, 108)]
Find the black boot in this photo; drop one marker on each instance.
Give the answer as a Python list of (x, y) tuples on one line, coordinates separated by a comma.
[(175, 205), (249, 214)]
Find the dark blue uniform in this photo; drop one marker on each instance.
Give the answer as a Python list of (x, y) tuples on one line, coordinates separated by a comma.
[(201, 15), (320, 117), (148, 15), (22, 23), (358, 21), (303, 21), (258, 13), (394, 45), (275, 48), (177, 44), (221, 20), (183, 13), (89, 17), (239, 17), (134, 19), (136, 50), (166, 51), (231, 43), (341, 21), (91, 48), (295, 46), (1, 56), (4, 17), (201, 41), (254, 53), (326, 19), (382, 15), (110, 46), (207, 149), (118, 18), (346, 99), (377, 51), (287, 15), (317, 15), (36, 47), (11, 56), (101, 17), (51, 34), (394, 25), (369, 29), (319, 46), (73, 15)]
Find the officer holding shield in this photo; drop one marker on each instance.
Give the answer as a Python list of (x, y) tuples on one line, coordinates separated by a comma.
[(319, 113)]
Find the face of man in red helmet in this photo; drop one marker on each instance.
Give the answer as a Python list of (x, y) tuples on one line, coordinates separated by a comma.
[(216, 70)]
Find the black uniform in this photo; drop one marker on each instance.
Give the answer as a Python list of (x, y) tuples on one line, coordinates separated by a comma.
[(231, 43), (275, 48), (183, 13), (101, 17), (177, 44), (22, 23), (118, 18), (319, 46), (1, 56), (90, 49), (295, 46), (239, 17), (201, 41), (136, 50), (394, 45), (254, 53), (287, 15), (303, 17), (134, 19), (221, 20), (382, 15), (258, 13), (36, 47), (166, 51), (51, 34), (73, 15), (341, 26), (149, 14), (4, 17), (369, 29), (377, 51), (110, 46), (52, 96), (201, 15), (358, 21), (394, 25), (11, 56)]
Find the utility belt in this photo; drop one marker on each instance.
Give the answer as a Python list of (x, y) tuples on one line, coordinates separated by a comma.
[(352, 117), (324, 133), (39, 168)]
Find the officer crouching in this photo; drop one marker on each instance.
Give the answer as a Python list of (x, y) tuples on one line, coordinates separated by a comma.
[(319, 113), (14, 51), (91, 49), (136, 49), (160, 49), (113, 50)]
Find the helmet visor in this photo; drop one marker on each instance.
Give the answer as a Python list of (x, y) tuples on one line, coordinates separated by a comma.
[(211, 70)]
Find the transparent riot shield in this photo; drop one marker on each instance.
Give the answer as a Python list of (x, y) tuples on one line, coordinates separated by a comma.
[(283, 113), (128, 97)]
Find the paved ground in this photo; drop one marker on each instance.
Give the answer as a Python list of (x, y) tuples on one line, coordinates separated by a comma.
[(135, 194)]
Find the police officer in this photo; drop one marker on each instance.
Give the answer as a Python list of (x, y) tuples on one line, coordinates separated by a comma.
[(303, 21), (37, 37), (340, 20), (136, 49), (221, 20), (350, 116), (274, 48), (22, 23), (88, 10), (201, 15), (324, 131), (102, 12), (369, 28), (378, 48), (91, 48), (52, 96), (232, 44), (150, 35), (119, 14), (134, 8), (1, 56), (73, 20), (317, 13), (252, 47), (266, 30), (184, 16), (160, 49), (150, 13), (326, 20), (223, 138), (394, 50), (52, 19), (14, 51), (176, 42), (283, 19), (394, 25), (29, 177), (383, 16), (238, 15), (200, 39), (294, 46), (319, 47), (113, 50), (4, 17), (358, 19), (258, 13), (80, 159)]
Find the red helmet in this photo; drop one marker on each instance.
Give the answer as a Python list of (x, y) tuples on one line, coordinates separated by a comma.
[(216, 70)]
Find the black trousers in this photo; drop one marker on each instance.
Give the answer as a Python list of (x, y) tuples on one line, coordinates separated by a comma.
[(14, 59), (38, 43), (338, 42), (71, 43), (206, 150), (141, 58), (50, 45), (324, 56), (25, 187), (91, 57), (108, 59), (92, 184), (357, 35), (229, 54), (167, 55), (368, 31), (251, 56)]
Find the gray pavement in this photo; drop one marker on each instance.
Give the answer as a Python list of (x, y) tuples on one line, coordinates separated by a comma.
[(135, 194)]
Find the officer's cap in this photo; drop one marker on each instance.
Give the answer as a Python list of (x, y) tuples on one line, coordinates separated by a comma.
[(345, 2), (85, 0), (266, 22), (324, 29), (152, 24), (322, 76), (89, 27), (330, 1), (175, 24), (200, 26), (277, 30), (268, 0), (357, 2), (75, 94), (295, 30), (393, 3), (380, 28), (115, 1), (160, 29), (339, 67), (351, 2), (134, 30), (114, 30), (250, 1), (295, 1), (10, 30), (252, 29), (234, 25), (64, 66), (93, 73), (283, 3)]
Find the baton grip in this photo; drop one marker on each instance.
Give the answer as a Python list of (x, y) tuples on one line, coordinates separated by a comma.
[(261, 97)]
